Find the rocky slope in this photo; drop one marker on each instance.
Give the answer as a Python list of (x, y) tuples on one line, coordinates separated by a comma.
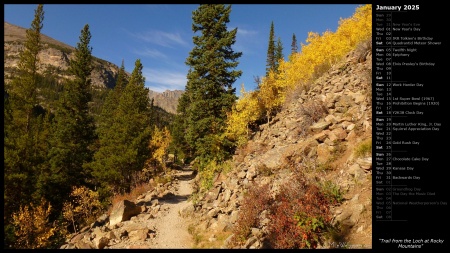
[(168, 100), (319, 131), (55, 57)]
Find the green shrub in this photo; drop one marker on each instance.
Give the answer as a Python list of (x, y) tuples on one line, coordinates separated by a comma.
[(208, 170), (332, 192)]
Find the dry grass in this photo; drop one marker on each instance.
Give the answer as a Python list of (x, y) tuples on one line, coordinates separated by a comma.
[(207, 239), (367, 78), (132, 195), (364, 148), (249, 148), (320, 70), (294, 94), (314, 110), (363, 49)]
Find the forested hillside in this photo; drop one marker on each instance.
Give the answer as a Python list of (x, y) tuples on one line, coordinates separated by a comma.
[(65, 112), (53, 66), (283, 166)]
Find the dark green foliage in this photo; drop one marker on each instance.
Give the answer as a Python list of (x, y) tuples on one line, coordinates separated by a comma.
[(178, 130), (121, 80), (50, 134), (160, 117), (294, 45), (123, 141), (23, 92), (271, 60), (111, 100), (25, 126), (50, 90), (274, 52), (278, 53), (74, 129), (21, 136), (81, 66), (98, 99), (209, 94)]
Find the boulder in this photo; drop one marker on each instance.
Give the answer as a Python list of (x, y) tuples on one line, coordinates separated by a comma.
[(123, 211)]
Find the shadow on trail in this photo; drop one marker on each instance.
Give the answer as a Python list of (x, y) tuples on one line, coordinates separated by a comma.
[(186, 177), (174, 199), (171, 198), (180, 168)]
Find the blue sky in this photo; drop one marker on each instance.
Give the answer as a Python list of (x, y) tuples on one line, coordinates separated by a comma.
[(160, 35)]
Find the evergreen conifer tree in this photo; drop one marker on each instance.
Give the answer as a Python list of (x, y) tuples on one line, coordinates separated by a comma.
[(278, 53), (124, 143), (25, 132), (271, 60), (74, 129), (178, 130), (294, 45), (112, 100), (209, 93)]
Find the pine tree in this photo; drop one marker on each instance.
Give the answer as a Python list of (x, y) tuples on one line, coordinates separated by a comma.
[(209, 93), (25, 135), (294, 45), (154, 117), (278, 53), (124, 144), (104, 133), (271, 60), (134, 116), (74, 129), (112, 100), (178, 130), (121, 80)]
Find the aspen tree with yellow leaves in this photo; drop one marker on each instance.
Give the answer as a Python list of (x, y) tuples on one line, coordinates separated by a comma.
[(158, 146), (245, 111), (319, 53), (33, 230)]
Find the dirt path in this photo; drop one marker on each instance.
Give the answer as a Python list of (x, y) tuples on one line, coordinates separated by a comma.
[(171, 228)]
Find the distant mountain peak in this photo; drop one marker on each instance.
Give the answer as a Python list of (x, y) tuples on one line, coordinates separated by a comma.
[(167, 100)]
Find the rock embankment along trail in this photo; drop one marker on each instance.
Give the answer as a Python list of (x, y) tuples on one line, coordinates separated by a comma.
[(155, 221)]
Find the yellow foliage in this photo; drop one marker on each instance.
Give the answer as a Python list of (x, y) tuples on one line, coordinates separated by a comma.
[(159, 143), (327, 48), (271, 94), (356, 28), (245, 111), (32, 227), (69, 214), (319, 52), (84, 206), (211, 170)]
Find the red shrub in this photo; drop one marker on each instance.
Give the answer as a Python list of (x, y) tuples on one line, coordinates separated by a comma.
[(299, 216)]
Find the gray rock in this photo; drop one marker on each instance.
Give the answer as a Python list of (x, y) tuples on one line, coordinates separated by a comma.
[(123, 211)]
